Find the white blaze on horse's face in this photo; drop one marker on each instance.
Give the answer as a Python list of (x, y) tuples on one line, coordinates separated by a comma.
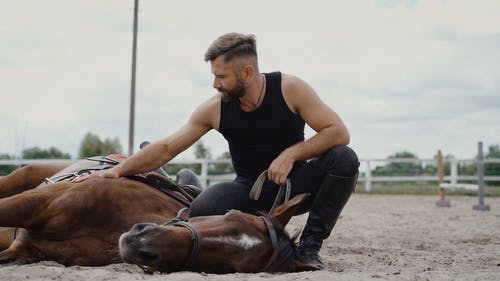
[(244, 241)]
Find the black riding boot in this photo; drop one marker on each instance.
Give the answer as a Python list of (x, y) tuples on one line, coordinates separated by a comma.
[(327, 205)]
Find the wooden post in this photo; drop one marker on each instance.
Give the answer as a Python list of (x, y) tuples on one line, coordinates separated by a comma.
[(442, 194)]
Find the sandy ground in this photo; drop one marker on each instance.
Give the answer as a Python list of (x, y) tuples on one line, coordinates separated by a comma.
[(377, 238)]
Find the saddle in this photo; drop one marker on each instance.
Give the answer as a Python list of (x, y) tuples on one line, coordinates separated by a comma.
[(183, 193), (184, 190)]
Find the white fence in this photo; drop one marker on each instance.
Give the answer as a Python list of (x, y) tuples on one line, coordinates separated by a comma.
[(367, 166), (366, 169)]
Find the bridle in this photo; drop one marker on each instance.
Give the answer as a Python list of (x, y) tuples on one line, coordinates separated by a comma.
[(196, 238), (274, 241)]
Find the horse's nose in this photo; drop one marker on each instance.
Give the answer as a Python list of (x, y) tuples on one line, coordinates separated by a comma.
[(140, 228)]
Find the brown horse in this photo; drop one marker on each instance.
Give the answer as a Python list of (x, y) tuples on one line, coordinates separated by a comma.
[(234, 242), (73, 223), (81, 223)]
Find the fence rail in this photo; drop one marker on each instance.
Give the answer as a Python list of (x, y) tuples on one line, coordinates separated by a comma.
[(366, 168)]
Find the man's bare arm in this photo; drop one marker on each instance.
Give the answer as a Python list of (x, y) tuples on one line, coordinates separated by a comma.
[(156, 154), (331, 131)]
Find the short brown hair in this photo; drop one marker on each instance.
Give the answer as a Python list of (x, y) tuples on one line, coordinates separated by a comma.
[(232, 45)]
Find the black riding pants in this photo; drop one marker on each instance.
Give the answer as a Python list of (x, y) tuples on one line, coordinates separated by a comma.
[(306, 178)]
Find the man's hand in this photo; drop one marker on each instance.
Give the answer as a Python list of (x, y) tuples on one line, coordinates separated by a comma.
[(280, 168), (109, 173)]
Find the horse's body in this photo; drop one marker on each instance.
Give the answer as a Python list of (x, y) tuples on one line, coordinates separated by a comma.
[(81, 223), (73, 223)]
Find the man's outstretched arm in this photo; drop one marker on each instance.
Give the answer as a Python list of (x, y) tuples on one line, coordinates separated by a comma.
[(160, 152)]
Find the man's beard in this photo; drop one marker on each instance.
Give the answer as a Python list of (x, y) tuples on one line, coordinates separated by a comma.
[(238, 91)]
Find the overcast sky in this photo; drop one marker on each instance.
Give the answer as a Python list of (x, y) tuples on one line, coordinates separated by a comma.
[(403, 75)]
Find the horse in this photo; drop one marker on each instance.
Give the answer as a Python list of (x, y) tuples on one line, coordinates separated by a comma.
[(99, 221)]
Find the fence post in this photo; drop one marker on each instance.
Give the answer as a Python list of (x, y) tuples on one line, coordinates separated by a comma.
[(454, 171), (442, 194), (204, 172), (480, 179), (368, 177)]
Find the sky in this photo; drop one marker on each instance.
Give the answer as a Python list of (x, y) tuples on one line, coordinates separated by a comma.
[(413, 76)]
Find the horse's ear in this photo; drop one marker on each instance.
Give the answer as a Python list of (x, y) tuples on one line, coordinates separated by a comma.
[(284, 212)]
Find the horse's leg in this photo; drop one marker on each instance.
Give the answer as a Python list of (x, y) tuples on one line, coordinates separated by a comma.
[(24, 211), (27, 177), (6, 237), (17, 252), (22, 179)]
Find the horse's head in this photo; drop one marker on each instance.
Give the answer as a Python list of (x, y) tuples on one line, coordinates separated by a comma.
[(234, 242)]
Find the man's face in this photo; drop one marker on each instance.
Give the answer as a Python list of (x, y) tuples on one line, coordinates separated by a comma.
[(227, 78)]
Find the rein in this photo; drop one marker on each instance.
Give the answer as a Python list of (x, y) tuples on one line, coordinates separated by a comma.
[(257, 189)]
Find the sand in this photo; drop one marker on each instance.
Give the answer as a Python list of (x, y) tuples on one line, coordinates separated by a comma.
[(378, 237)]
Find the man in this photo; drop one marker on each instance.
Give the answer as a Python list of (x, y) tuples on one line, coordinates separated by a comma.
[(262, 116)]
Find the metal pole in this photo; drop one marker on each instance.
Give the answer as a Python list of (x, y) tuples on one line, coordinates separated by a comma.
[(454, 172), (368, 177), (480, 179), (132, 84)]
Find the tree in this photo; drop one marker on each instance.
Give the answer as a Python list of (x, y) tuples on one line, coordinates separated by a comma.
[(398, 168), (201, 151), (92, 145), (492, 169), (222, 168), (432, 169), (38, 153), (33, 153), (6, 169)]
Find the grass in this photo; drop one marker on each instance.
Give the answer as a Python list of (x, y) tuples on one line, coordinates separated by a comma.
[(423, 188)]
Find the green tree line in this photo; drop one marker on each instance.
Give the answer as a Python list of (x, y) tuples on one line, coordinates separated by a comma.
[(92, 145), (412, 169)]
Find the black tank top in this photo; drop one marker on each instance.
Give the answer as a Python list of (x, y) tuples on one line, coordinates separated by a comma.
[(256, 138)]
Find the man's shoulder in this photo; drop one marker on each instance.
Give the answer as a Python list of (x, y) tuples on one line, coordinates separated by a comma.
[(208, 112), (290, 83), (211, 103)]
